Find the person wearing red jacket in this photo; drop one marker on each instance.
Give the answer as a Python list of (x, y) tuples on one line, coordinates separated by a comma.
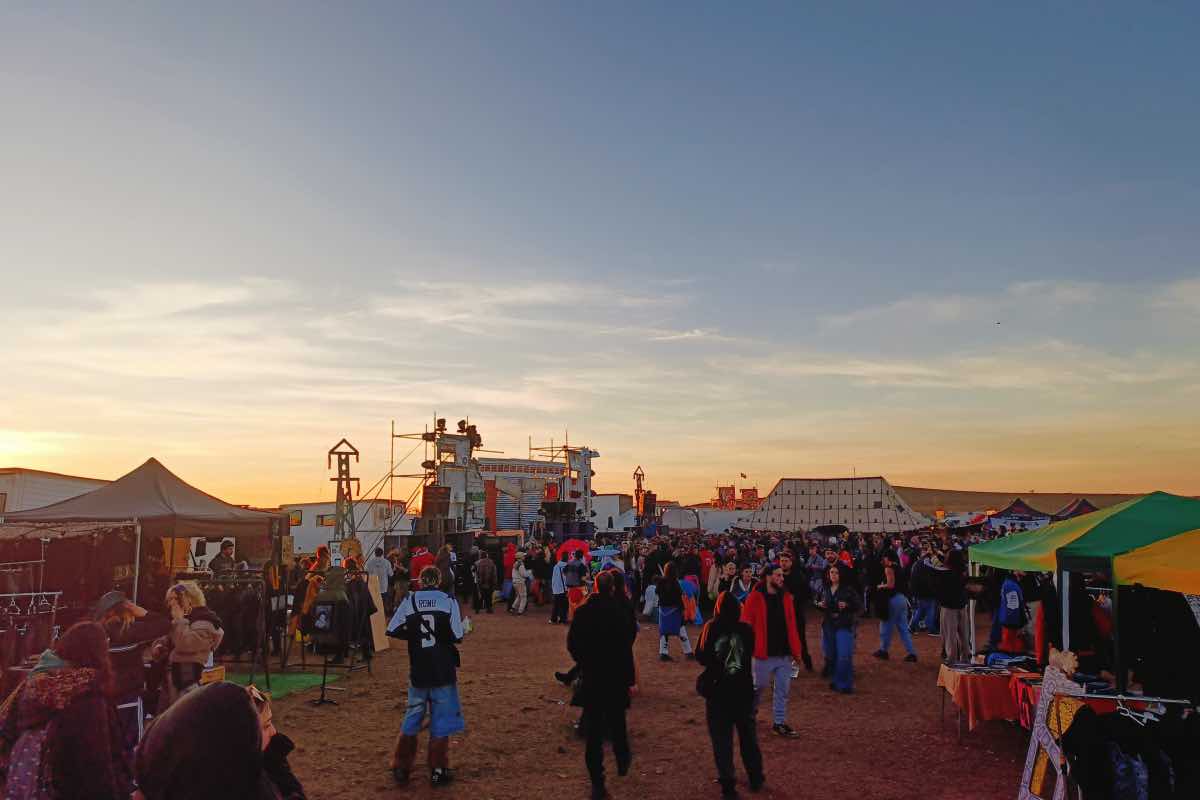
[(769, 610)]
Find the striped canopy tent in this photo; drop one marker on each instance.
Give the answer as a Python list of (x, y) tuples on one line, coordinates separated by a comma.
[(1077, 507)]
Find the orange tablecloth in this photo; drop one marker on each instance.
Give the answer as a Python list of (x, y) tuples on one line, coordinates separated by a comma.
[(982, 697)]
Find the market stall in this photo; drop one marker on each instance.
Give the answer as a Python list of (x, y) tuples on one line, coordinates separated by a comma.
[(135, 526)]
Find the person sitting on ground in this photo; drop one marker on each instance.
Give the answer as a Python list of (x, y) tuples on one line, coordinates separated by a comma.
[(60, 738), (196, 632)]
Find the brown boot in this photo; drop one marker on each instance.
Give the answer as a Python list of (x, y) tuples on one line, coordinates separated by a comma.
[(402, 758), (439, 761)]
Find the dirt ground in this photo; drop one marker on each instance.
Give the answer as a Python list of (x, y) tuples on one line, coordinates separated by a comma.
[(885, 741)]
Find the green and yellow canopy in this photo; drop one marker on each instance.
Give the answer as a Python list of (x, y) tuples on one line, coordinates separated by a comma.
[(1136, 539)]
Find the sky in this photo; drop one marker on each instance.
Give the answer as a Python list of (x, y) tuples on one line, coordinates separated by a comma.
[(951, 244)]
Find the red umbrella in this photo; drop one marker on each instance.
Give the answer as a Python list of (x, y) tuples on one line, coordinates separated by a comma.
[(571, 545)]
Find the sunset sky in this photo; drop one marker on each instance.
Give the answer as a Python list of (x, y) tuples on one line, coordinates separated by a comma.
[(950, 244)]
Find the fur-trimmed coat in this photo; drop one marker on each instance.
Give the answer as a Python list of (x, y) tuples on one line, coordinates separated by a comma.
[(60, 738)]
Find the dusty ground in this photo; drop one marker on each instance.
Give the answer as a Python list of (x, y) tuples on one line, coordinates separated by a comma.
[(885, 741)]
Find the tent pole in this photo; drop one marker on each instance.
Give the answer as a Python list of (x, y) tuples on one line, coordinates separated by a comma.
[(137, 558), (974, 572), (1064, 593), (1118, 662)]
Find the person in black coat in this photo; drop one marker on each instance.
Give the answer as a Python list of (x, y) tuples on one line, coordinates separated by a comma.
[(601, 642), (727, 684), (840, 603)]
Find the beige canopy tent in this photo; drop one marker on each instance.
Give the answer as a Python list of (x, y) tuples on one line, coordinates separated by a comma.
[(157, 504)]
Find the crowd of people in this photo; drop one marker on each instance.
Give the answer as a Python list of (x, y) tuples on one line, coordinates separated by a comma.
[(754, 595), (62, 736)]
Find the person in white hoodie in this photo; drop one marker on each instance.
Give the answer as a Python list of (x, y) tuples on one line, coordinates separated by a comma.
[(520, 576)]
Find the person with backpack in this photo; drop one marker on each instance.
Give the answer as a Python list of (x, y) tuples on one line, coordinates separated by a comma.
[(726, 648)]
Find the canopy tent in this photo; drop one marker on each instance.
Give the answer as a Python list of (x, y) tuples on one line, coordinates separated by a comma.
[(164, 505), (1147, 536), (1019, 509), (1091, 541), (1171, 564), (156, 504), (1077, 507)]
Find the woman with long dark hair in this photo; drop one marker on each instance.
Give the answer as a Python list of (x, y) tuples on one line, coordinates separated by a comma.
[(59, 733), (841, 603)]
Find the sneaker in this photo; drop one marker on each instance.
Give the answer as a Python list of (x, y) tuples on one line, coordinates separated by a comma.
[(401, 775), (600, 792), (664, 657), (785, 730), (730, 793), (441, 776), (795, 670), (882, 655), (911, 658)]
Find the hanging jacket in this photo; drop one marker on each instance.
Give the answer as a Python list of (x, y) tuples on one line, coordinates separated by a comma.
[(1013, 612)]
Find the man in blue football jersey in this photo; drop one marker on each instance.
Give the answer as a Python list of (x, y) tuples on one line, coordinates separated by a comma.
[(430, 621)]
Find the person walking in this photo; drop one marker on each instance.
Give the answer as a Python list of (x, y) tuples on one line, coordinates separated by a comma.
[(841, 603), (892, 602), (796, 581), (520, 576), (770, 612), (670, 614), (430, 621), (601, 641), (558, 588), (486, 582), (727, 685)]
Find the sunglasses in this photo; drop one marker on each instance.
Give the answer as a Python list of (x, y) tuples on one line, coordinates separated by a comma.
[(260, 698)]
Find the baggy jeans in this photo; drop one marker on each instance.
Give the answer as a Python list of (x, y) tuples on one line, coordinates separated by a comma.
[(898, 619), (779, 670)]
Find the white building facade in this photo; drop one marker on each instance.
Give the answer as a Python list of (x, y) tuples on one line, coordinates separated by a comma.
[(22, 489)]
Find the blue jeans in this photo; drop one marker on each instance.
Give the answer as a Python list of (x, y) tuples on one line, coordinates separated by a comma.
[(838, 644), (926, 615), (444, 708), (898, 619), (779, 669)]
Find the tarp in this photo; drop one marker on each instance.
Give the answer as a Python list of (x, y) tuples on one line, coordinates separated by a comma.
[(1077, 507), (1091, 540), (165, 505), (1171, 564)]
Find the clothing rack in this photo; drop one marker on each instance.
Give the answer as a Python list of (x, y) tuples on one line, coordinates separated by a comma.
[(1133, 698), (261, 650)]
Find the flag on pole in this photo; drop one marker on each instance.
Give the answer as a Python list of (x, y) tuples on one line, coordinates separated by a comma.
[(742, 474)]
